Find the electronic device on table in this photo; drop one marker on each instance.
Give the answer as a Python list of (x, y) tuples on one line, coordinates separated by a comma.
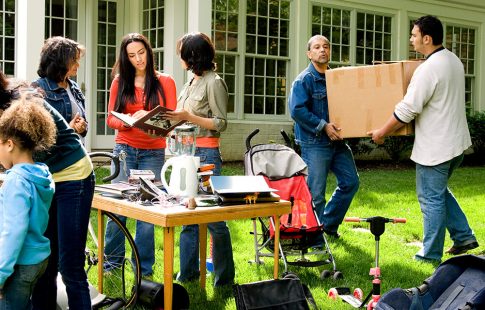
[(149, 190)]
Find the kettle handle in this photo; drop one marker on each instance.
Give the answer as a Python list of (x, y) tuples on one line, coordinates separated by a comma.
[(167, 164)]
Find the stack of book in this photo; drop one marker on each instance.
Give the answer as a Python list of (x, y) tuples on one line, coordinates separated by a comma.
[(136, 174), (116, 189)]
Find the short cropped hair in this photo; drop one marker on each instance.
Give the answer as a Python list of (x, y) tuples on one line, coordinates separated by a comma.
[(431, 26), (318, 36)]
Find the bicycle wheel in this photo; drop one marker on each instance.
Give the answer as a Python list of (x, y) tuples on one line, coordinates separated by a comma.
[(120, 280)]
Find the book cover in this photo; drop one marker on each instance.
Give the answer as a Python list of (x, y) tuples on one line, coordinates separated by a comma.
[(153, 120), (142, 173)]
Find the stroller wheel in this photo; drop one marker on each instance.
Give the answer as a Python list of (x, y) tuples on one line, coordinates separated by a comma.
[(325, 274), (338, 275), (332, 293), (358, 293)]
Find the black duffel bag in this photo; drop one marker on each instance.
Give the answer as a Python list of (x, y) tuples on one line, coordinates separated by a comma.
[(286, 294)]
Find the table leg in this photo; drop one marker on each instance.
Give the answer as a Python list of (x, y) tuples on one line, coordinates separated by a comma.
[(100, 250), (168, 241), (202, 253), (276, 245)]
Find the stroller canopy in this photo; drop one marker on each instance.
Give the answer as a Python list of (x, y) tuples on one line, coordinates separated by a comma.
[(274, 161)]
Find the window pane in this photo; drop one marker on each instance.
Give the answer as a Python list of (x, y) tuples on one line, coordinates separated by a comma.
[(57, 8), (10, 24), (112, 12), (71, 9), (112, 34), (9, 48), (220, 22), (259, 66), (102, 15), (101, 33), (71, 28), (251, 24), (262, 26), (57, 27), (102, 56)]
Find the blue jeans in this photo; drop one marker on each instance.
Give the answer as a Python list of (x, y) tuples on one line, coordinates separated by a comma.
[(18, 287), (67, 231), (321, 159), (440, 210), (221, 238), (143, 159)]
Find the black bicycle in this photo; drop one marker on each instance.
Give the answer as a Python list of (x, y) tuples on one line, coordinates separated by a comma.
[(120, 280)]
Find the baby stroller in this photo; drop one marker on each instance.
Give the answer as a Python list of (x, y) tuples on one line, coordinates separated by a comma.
[(284, 170)]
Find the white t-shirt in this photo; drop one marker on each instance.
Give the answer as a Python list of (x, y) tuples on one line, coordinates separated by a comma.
[(435, 98)]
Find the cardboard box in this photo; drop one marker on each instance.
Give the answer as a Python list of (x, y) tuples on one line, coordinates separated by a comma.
[(363, 98)]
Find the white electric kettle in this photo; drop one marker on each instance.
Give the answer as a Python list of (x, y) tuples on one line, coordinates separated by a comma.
[(183, 178)]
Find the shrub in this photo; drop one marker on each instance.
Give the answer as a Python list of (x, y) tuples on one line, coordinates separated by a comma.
[(397, 147), (360, 146), (476, 125)]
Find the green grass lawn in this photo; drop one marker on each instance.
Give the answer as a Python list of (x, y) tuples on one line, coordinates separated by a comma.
[(383, 192)]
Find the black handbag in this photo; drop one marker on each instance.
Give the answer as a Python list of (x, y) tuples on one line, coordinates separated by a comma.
[(286, 294)]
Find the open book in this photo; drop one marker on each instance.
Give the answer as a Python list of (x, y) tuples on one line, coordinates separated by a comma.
[(153, 120)]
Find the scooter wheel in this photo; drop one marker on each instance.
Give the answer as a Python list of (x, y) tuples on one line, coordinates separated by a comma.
[(325, 274), (338, 275), (332, 293), (358, 293)]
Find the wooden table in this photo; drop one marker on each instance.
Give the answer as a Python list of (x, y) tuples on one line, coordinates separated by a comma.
[(169, 218)]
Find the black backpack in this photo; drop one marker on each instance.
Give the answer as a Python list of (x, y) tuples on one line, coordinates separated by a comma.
[(458, 284)]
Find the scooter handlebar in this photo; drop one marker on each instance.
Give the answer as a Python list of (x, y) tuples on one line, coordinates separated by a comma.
[(353, 219), (358, 219)]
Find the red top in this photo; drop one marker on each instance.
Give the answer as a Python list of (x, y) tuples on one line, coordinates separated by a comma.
[(135, 137)]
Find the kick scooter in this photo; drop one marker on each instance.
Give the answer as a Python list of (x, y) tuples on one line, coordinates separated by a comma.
[(377, 228)]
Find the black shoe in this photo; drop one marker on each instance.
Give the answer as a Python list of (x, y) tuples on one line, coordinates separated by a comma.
[(332, 234), (456, 250)]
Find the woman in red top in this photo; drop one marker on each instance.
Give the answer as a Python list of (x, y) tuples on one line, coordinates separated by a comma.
[(136, 89)]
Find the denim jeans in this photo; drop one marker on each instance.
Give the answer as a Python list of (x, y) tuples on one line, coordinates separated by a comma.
[(221, 239), (67, 231), (18, 287), (321, 159), (440, 210), (143, 159)]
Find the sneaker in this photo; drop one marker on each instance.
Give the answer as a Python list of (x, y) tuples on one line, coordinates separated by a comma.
[(456, 250)]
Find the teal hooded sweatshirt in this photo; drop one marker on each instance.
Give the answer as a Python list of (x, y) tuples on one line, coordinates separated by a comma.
[(25, 198)]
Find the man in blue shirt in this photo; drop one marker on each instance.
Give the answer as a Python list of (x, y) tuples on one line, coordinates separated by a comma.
[(322, 147)]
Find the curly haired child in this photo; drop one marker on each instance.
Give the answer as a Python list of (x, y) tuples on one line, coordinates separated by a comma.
[(25, 196)]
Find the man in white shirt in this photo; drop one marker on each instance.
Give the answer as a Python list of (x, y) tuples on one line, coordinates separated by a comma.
[(435, 99)]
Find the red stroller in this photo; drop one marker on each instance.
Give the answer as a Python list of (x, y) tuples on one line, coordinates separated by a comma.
[(284, 170)]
